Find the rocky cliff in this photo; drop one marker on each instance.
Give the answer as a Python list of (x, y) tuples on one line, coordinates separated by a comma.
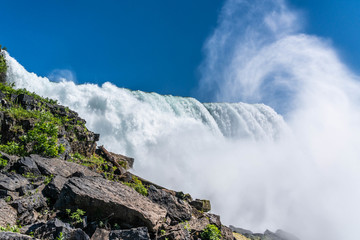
[(55, 183)]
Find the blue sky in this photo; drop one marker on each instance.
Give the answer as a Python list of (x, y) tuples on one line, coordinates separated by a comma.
[(147, 45)]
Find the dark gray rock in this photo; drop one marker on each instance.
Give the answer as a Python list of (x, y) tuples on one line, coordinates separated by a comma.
[(178, 210), (52, 190), (28, 203), (55, 166), (12, 181), (101, 198), (140, 233), (15, 236), (27, 165), (52, 229), (201, 205)]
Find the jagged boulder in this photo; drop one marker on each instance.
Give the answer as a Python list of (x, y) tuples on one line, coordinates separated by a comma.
[(101, 198), (178, 210)]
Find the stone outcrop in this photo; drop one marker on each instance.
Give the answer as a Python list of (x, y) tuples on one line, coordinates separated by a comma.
[(101, 199)]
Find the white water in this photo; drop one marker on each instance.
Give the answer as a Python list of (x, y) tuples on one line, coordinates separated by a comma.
[(259, 172)]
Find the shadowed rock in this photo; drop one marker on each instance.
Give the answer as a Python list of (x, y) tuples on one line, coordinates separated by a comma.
[(178, 210)]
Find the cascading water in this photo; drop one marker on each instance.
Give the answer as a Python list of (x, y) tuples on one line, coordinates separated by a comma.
[(259, 171)]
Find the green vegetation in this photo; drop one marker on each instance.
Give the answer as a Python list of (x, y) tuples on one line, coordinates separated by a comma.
[(9, 228), (96, 163), (3, 162), (75, 216), (3, 66), (8, 199), (48, 179), (211, 232), (162, 232), (61, 236), (8, 89), (137, 185)]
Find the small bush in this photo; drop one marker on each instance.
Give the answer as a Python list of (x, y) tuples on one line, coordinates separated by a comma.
[(138, 186), (3, 162), (211, 232), (76, 216)]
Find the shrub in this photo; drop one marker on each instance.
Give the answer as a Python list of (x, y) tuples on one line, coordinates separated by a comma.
[(138, 186), (211, 232), (9, 228), (3, 162), (76, 216)]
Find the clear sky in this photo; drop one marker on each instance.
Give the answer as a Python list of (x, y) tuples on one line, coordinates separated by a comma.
[(146, 45)]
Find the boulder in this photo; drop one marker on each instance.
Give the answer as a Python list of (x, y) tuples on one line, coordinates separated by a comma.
[(12, 181), (53, 228), (52, 190), (27, 165), (101, 198), (15, 236), (201, 205), (140, 233), (55, 166), (7, 214), (178, 210)]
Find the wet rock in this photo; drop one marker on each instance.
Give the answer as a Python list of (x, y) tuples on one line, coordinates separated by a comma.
[(12, 182), (140, 233), (101, 198), (7, 214), (55, 166), (178, 210), (52, 229), (15, 236), (201, 205)]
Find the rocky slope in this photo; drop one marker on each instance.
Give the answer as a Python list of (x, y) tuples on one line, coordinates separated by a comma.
[(55, 183)]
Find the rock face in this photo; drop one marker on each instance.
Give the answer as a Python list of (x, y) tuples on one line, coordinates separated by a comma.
[(102, 198), (178, 210)]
